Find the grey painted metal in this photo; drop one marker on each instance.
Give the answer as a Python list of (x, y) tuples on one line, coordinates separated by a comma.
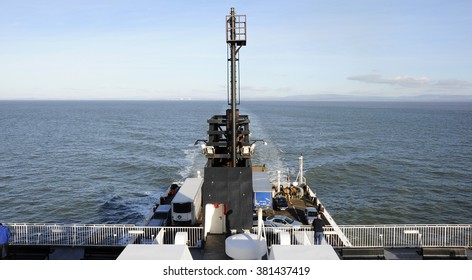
[(233, 188)]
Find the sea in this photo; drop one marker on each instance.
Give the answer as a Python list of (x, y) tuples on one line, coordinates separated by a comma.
[(94, 162)]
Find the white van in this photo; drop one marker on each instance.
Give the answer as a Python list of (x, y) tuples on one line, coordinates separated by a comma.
[(310, 214)]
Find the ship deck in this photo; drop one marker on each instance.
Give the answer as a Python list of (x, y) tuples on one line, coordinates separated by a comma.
[(106, 242), (295, 210)]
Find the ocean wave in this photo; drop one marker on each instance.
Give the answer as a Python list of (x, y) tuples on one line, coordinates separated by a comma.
[(92, 162)]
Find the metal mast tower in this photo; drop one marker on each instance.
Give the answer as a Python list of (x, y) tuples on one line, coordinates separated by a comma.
[(235, 38), (228, 176)]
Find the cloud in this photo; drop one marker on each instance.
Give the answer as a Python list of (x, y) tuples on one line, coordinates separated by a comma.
[(453, 83), (404, 81), (422, 83)]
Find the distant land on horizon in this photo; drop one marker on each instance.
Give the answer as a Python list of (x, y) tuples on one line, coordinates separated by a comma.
[(362, 98), (313, 97)]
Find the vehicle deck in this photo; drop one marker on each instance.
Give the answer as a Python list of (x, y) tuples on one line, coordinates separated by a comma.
[(295, 210)]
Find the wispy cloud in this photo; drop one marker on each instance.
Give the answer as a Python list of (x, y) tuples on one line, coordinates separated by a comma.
[(404, 81), (414, 82), (453, 83)]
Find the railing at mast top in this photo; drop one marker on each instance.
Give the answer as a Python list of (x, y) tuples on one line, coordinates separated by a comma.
[(236, 29)]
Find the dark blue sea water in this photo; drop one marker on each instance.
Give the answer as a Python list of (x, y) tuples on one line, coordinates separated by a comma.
[(108, 161)]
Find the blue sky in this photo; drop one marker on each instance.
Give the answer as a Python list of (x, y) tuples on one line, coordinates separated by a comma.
[(176, 49)]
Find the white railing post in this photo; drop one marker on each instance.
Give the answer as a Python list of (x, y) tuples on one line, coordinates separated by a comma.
[(394, 231), (445, 235)]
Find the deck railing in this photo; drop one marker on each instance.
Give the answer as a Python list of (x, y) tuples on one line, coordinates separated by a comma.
[(409, 235), (392, 236), (298, 236), (400, 236), (98, 235)]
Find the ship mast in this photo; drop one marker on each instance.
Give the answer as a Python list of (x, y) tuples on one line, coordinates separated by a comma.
[(228, 176), (235, 38)]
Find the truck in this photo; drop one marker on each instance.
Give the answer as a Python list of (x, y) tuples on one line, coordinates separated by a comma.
[(187, 203)]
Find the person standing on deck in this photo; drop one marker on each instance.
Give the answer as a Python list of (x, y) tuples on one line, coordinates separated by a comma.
[(4, 237), (318, 228)]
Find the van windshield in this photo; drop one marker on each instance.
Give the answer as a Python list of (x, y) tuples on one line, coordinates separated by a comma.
[(182, 207)]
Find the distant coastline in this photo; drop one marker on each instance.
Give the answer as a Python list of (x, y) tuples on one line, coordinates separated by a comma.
[(313, 97), (344, 98)]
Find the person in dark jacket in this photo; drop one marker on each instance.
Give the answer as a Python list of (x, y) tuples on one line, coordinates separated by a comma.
[(318, 224), (4, 237)]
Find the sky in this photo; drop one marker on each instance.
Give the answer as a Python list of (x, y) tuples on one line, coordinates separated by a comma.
[(131, 49)]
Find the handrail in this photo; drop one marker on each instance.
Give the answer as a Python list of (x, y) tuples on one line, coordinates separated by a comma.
[(390, 236), (331, 222), (337, 229), (409, 235), (97, 234)]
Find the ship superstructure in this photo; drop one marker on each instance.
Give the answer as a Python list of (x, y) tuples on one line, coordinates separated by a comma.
[(228, 172)]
